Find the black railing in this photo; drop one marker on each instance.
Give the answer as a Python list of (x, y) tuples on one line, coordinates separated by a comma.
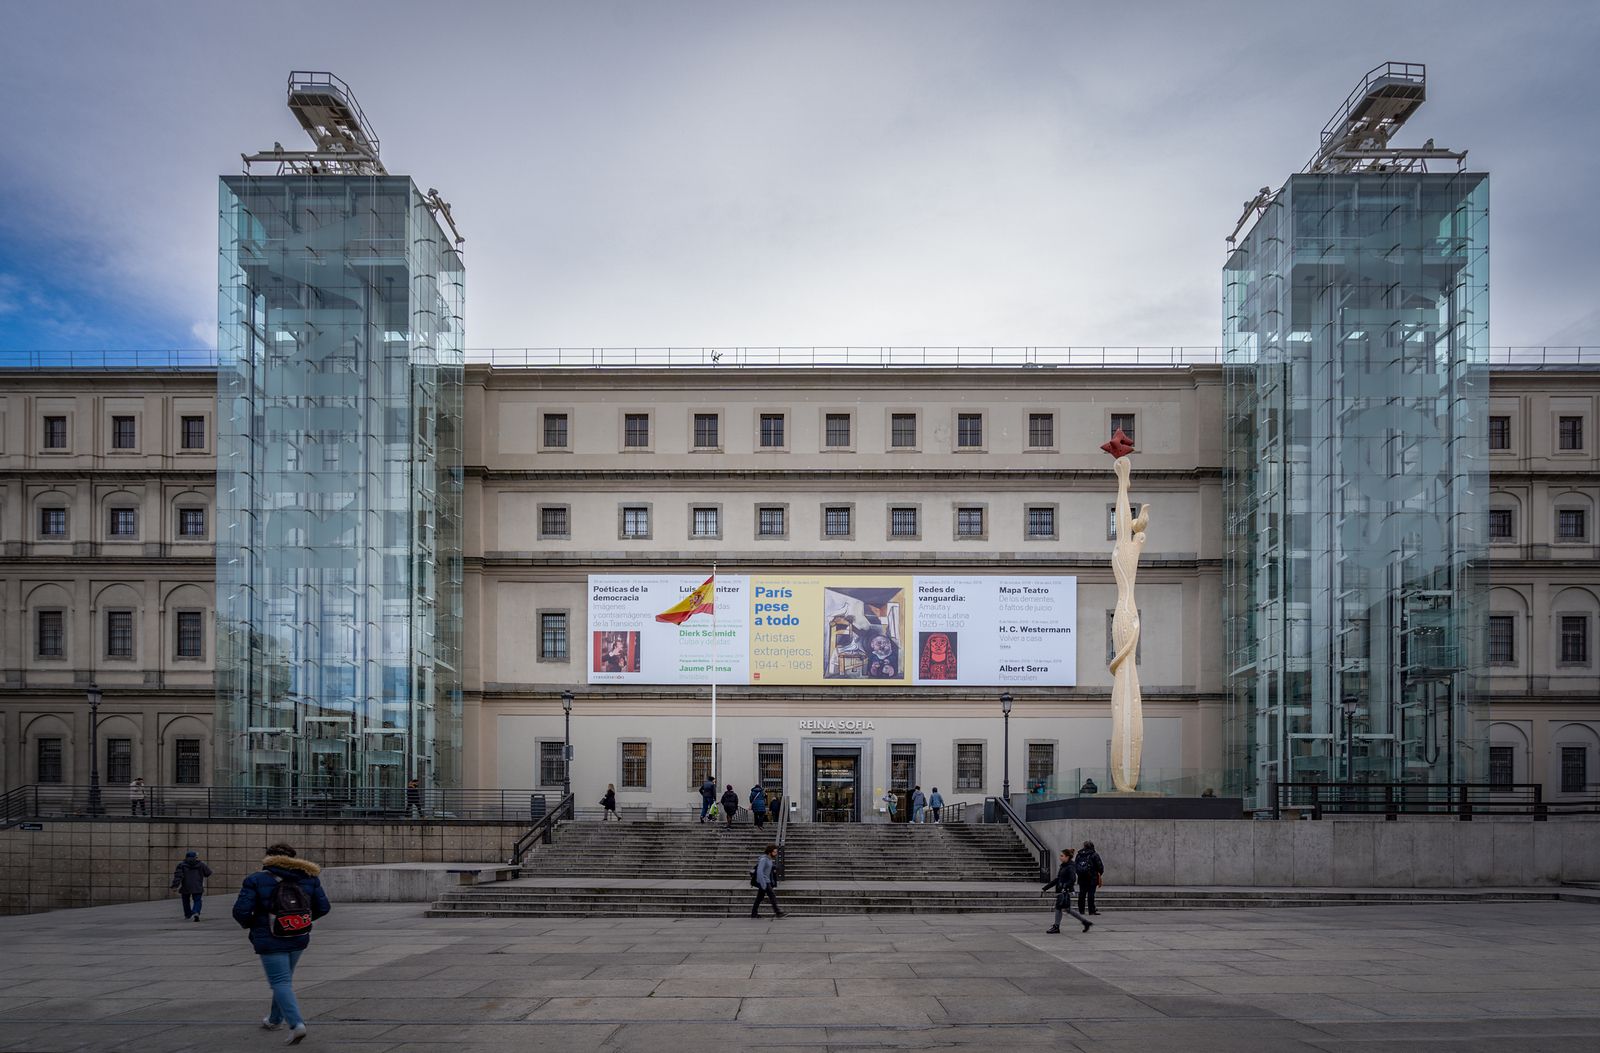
[(1010, 815), (542, 830), (1394, 799), (783, 832), (397, 804)]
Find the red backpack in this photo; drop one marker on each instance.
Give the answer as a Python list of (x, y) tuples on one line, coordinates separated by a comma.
[(289, 910)]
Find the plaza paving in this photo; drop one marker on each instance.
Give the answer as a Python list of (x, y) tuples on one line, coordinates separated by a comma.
[(1459, 977)]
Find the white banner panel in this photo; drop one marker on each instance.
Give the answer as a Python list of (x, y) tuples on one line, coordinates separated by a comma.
[(628, 646), (990, 632)]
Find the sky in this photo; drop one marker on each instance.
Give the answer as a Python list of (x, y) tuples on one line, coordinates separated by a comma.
[(998, 173)]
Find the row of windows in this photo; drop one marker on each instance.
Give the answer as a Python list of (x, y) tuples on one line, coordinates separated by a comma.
[(1572, 524), (1574, 767), (118, 768), (124, 432), (1573, 638), (50, 633), (838, 430), (1569, 433), (634, 522), (122, 523)]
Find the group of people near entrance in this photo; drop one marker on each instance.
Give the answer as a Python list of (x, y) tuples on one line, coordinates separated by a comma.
[(764, 807)]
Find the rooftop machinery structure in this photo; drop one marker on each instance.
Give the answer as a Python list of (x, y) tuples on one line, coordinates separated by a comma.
[(1355, 343)]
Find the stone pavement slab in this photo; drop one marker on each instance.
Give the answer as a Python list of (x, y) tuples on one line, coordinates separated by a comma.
[(1422, 978)]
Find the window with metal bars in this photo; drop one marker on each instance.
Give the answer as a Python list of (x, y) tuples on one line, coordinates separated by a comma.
[(186, 762), (769, 768), (51, 634), (1502, 765), (1572, 524), (903, 522), (555, 431), (1125, 421), (636, 430), (48, 756), (836, 429), (969, 522), (55, 433), (52, 522), (122, 433), (902, 430), (635, 766), (553, 522), (836, 521), (1041, 430), (119, 761), (969, 766), (969, 430), (1041, 764), (636, 522), (191, 635), (191, 522), (1502, 639), (1574, 769), (552, 763), (553, 636), (770, 521), (1500, 524), (119, 634), (707, 431), (700, 764), (1569, 433), (1041, 522), (194, 433), (124, 522), (1575, 638), (772, 430), (708, 521), (1499, 433)]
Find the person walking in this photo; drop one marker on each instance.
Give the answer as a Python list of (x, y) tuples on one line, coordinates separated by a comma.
[(765, 879), (1066, 877), (278, 904), (889, 800), (775, 804), (936, 803), (189, 881), (413, 799), (919, 801), (609, 803), (730, 804), (758, 804), (137, 796), (1089, 868), (708, 796)]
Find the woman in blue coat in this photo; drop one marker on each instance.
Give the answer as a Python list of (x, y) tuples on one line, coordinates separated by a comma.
[(280, 950)]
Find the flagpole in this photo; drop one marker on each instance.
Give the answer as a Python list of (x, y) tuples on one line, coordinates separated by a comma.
[(714, 669)]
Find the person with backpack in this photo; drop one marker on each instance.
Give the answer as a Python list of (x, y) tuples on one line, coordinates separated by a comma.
[(708, 797), (936, 802), (764, 877), (758, 804), (189, 881), (1066, 877), (1089, 868), (918, 802), (278, 904), (609, 803), (730, 804), (775, 804)]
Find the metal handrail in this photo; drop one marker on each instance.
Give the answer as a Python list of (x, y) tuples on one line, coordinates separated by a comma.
[(543, 830), (1393, 799), (17, 805), (1020, 825), (167, 803), (783, 833)]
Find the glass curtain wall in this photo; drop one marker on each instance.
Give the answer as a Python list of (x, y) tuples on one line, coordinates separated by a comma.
[(1356, 318), (339, 496)]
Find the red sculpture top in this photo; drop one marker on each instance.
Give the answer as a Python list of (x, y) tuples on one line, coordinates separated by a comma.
[(1119, 446)]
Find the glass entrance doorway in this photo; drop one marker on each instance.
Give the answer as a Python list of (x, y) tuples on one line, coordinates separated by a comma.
[(836, 786)]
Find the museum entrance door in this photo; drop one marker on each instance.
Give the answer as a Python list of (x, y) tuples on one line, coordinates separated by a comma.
[(836, 786)]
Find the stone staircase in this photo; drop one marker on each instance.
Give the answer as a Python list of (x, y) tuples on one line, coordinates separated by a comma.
[(907, 852)]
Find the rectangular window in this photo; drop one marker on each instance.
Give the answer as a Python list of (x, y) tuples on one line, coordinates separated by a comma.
[(122, 437), (1111, 518), (769, 768), (119, 761), (191, 635), (902, 522), (836, 429), (636, 521), (636, 430), (50, 760), (772, 430), (553, 522), (969, 522), (969, 430), (708, 521), (836, 521), (553, 636), (52, 522), (1500, 524), (700, 767), (1570, 429), (1574, 769), (903, 430), (1124, 421), (902, 771), (1042, 522), (194, 436), (1499, 433), (555, 431), (1502, 765), (51, 634), (635, 765), (55, 433), (552, 763), (1502, 639), (707, 431), (1575, 638), (191, 522), (969, 766), (1041, 765), (186, 762), (119, 634), (770, 521), (124, 522), (1571, 524), (1041, 430)]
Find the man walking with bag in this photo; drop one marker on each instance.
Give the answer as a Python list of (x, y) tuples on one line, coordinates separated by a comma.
[(189, 881), (278, 904), (1089, 869), (765, 878), (1066, 877)]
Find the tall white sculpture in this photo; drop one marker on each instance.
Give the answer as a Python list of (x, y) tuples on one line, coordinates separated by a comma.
[(1127, 708)]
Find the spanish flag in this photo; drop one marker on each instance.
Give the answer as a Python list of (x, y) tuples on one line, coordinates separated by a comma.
[(701, 601)]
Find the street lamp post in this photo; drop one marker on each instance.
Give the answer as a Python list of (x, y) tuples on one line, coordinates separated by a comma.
[(566, 747), (1348, 703), (95, 807), (1005, 710)]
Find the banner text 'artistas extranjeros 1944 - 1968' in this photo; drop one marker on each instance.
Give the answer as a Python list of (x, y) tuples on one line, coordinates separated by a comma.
[(825, 629)]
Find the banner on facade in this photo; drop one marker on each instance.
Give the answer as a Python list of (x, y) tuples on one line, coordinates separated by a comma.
[(837, 628)]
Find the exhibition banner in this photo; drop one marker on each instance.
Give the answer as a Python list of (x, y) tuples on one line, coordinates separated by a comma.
[(827, 629)]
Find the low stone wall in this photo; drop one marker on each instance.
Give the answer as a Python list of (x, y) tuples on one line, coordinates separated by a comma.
[(1409, 852), (82, 864)]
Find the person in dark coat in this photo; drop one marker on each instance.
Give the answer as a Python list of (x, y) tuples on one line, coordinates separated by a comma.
[(189, 881), (758, 804), (708, 796), (1089, 869), (1066, 877), (730, 803), (775, 804), (279, 954), (609, 803), (766, 881)]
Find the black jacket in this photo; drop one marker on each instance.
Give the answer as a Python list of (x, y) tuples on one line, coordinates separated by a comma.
[(708, 791), (190, 877), (609, 801), (1095, 867), (730, 801), (1066, 878)]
